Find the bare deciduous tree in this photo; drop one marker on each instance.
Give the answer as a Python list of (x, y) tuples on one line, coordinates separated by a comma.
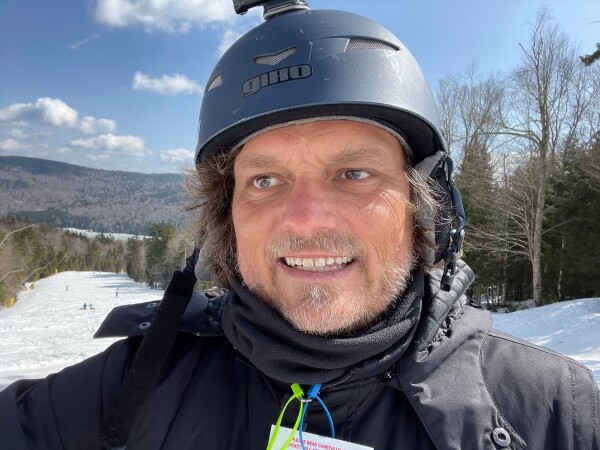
[(548, 95), (468, 106)]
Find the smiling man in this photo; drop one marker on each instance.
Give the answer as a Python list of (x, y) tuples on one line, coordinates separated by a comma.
[(323, 220), (327, 213)]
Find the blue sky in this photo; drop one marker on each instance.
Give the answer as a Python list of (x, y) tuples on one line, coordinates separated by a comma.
[(117, 84)]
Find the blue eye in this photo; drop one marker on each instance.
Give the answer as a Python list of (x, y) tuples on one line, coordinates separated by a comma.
[(356, 174), (264, 181)]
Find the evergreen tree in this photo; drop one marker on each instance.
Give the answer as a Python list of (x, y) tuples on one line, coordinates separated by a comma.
[(92, 256), (479, 192), (159, 262), (135, 259), (572, 246), (590, 59)]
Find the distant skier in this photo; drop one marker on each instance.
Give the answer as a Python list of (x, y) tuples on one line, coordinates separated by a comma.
[(67, 288), (84, 306), (92, 306), (117, 293)]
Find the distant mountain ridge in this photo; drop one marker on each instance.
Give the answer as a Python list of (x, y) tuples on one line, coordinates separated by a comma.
[(67, 195)]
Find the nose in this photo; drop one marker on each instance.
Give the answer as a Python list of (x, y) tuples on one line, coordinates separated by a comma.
[(309, 208)]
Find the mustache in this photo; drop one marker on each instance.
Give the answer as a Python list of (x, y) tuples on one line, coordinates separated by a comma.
[(335, 243)]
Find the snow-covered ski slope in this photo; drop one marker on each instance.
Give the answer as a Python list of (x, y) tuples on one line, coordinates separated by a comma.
[(46, 330)]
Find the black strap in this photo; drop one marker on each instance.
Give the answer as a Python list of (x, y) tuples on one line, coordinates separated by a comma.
[(141, 378), (457, 235)]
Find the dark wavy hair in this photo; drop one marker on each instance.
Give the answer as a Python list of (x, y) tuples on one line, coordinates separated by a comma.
[(211, 185)]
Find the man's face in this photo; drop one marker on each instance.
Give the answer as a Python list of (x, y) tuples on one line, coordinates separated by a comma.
[(322, 218)]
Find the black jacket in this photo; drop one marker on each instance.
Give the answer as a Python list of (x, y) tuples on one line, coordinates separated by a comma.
[(462, 385)]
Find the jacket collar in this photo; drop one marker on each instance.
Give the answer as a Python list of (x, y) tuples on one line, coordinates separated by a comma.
[(442, 376)]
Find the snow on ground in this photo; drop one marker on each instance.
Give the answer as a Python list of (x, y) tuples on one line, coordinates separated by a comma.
[(92, 234), (571, 328), (46, 331)]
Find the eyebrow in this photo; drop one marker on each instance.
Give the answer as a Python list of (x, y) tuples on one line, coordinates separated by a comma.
[(358, 155), (257, 162)]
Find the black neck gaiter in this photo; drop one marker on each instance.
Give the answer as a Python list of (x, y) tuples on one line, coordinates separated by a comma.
[(282, 352)]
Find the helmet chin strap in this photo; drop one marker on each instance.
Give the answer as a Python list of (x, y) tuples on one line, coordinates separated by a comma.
[(457, 235)]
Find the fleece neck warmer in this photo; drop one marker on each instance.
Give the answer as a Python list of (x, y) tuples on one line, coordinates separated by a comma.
[(275, 347)]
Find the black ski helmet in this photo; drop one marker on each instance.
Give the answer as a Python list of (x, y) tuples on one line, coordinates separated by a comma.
[(304, 64), (317, 63)]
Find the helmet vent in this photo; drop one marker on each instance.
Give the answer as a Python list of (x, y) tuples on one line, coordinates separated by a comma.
[(218, 81), (276, 58), (358, 44)]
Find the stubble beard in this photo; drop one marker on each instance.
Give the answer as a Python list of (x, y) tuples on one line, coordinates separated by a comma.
[(330, 309)]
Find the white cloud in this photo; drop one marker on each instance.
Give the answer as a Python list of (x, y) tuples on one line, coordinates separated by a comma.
[(51, 111), (111, 144), (168, 84), (90, 125), (10, 145), (172, 16), (56, 113), (78, 45), (177, 156), (63, 150)]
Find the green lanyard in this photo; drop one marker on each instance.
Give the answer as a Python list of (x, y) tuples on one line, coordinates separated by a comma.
[(298, 394)]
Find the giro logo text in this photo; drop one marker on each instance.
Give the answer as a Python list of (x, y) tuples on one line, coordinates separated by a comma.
[(253, 85)]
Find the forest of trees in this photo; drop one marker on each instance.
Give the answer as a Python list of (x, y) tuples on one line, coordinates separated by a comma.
[(68, 196), (528, 148), (29, 252)]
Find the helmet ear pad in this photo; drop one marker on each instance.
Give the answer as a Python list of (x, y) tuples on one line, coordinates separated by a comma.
[(435, 220)]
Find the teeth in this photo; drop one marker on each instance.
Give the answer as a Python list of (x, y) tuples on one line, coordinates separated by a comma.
[(318, 263)]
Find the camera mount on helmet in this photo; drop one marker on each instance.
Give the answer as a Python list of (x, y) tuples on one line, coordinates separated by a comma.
[(272, 8)]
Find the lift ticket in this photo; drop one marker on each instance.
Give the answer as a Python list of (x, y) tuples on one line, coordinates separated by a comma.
[(312, 441)]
